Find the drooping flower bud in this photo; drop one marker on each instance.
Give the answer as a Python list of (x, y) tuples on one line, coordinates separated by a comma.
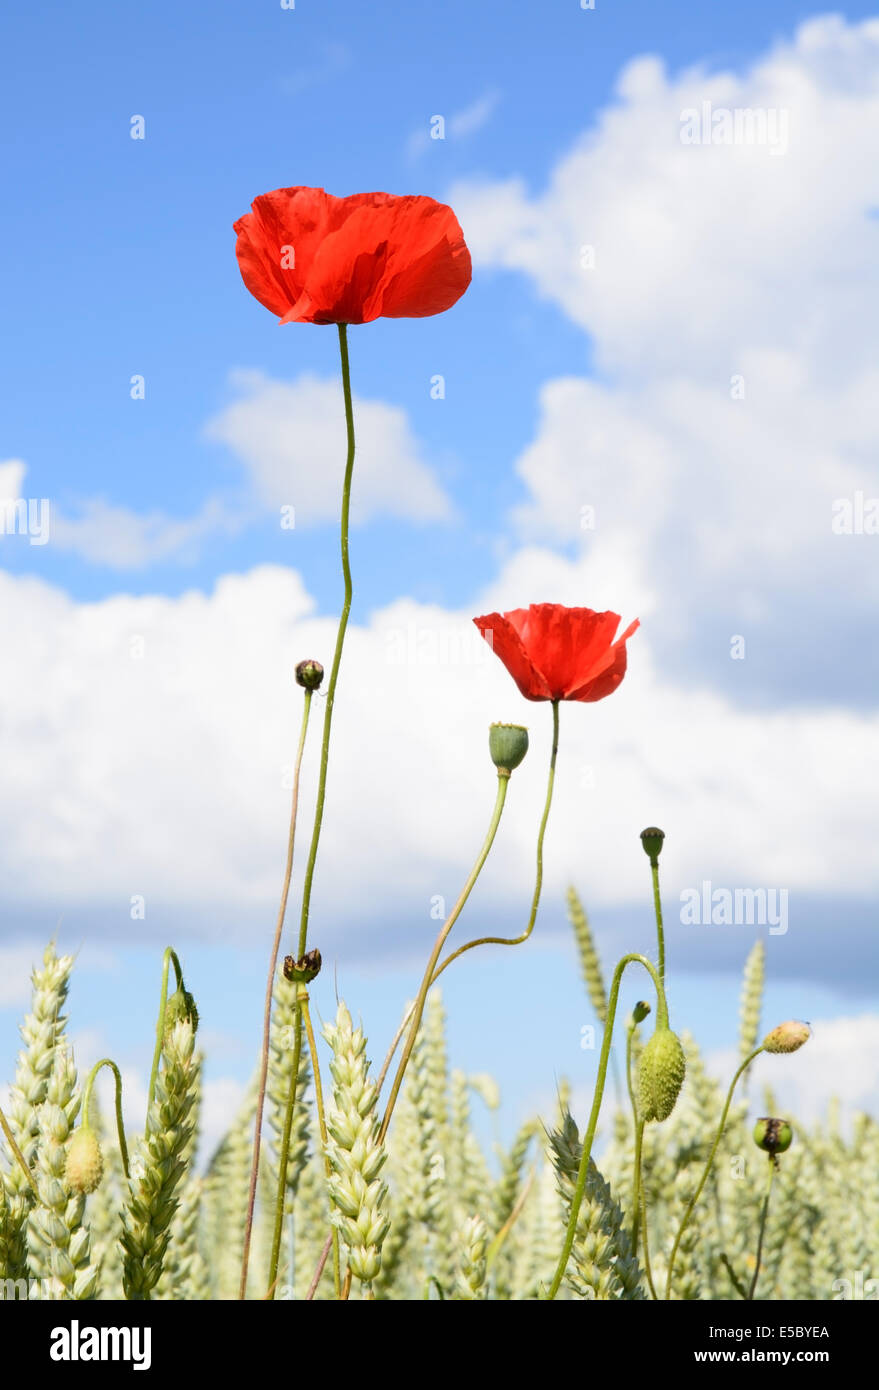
[(180, 1005), (508, 744), (773, 1136), (660, 1074), (85, 1162), (640, 1011), (303, 970), (652, 839), (309, 674), (787, 1037)]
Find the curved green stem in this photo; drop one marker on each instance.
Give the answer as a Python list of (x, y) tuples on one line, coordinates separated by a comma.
[(538, 884), (19, 1156), (267, 1007), (583, 1173), (340, 642), (427, 980), (772, 1167), (657, 907), (86, 1102), (707, 1169), (284, 1156), (167, 959)]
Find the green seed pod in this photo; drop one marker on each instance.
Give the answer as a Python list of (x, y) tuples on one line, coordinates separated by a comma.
[(85, 1162), (787, 1037), (181, 1005), (773, 1136), (660, 1075), (652, 839), (309, 674), (508, 744)]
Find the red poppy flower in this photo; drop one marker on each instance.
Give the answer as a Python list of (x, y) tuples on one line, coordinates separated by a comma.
[(313, 258), (556, 653)]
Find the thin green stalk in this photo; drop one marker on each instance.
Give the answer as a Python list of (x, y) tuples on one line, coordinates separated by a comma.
[(639, 1133), (270, 989), (662, 1019), (321, 784), (283, 1156), (321, 1121), (707, 1169), (340, 641), (86, 1102), (19, 1156), (427, 981), (772, 1167), (579, 1190), (657, 907), (538, 885), (169, 957), (645, 1245)]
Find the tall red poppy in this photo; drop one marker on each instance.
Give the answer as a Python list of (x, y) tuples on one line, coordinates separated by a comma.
[(312, 258), (557, 653)]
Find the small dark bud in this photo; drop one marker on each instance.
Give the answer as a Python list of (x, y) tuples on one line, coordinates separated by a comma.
[(303, 970), (652, 839), (640, 1011), (309, 674)]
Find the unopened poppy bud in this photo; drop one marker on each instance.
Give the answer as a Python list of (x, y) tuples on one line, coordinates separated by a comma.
[(180, 1005), (652, 839), (309, 674), (508, 744), (85, 1162), (660, 1075), (773, 1136), (640, 1011), (303, 970), (787, 1037)]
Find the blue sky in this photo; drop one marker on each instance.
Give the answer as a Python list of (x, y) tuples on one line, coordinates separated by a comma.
[(119, 260)]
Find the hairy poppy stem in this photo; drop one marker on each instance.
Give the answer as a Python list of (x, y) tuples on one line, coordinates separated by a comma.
[(583, 1172), (86, 1103), (773, 1164), (691, 1205), (321, 788), (270, 989), (169, 957), (428, 978), (538, 884)]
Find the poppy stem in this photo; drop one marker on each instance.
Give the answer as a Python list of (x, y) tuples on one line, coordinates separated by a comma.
[(691, 1205), (657, 907), (538, 884), (773, 1164), (267, 1010), (321, 787), (428, 977), (583, 1172), (340, 641)]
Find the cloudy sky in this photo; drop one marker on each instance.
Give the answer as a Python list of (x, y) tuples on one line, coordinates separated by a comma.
[(658, 396)]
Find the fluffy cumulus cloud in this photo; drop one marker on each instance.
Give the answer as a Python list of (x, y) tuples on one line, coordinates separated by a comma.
[(716, 236), (290, 437), (150, 741)]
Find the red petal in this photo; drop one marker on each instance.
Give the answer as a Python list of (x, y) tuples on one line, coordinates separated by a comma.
[(506, 643)]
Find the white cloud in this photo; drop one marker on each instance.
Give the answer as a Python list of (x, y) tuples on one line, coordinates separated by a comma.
[(290, 436), (713, 263), (12, 473), (121, 539), (458, 126), (166, 774)]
